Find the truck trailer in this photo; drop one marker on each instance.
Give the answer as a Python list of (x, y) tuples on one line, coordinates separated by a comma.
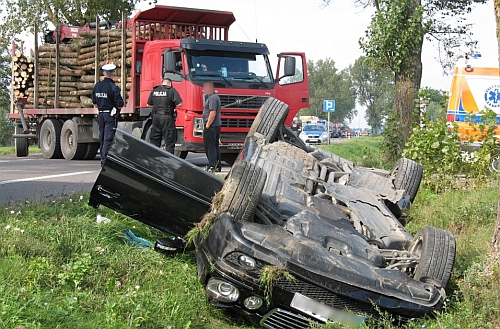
[(52, 108)]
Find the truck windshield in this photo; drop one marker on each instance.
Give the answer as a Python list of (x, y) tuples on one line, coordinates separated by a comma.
[(233, 69)]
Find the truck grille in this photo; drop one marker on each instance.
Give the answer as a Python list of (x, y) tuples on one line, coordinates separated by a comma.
[(324, 296), (281, 319), (236, 123), (242, 101), (233, 137)]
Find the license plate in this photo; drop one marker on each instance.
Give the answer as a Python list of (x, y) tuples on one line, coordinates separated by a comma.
[(324, 312)]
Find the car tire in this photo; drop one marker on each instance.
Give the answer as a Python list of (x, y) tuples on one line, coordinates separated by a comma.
[(70, 148), (50, 139), (407, 175), (21, 144), (91, 151), (242, 191), (229, 158), (437, 249), (270, 118)]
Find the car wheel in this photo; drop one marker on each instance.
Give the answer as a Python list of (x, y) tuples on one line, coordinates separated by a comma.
[(242, 191), (495, 163), (71, 149), (436, 249), (407, 175), (50, 139), (21, 144), (271, 117)]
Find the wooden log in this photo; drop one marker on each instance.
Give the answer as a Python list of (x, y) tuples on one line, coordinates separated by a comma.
[(48, 47), (44, 93), (48, 88), (91, 54), (86, 101), (52, 72), (117, 62), (85, 85), (52, 83), (105, 33), (71, 99), (63, 61), (86, 92), (46, 79), (61, 55)]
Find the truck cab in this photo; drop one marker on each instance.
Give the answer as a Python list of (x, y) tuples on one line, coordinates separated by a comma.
[(240, 71)]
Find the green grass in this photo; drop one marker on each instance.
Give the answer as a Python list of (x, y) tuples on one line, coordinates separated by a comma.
[(9, 150), (362, 150), (60, 269)]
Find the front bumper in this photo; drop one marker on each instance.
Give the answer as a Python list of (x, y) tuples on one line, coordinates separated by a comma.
[(217, 256)]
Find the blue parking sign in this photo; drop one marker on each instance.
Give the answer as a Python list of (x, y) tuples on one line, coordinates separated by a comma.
[(329, 106)]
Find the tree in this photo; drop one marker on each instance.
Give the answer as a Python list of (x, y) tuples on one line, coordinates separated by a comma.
[(6, 126), (394, 40), (20, 15), (326, 82), (374, 89)]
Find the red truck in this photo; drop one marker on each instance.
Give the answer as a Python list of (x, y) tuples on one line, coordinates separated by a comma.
[(190, 46)]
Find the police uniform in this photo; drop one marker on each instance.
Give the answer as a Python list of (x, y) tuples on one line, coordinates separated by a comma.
[(164, 99), (106, 95)]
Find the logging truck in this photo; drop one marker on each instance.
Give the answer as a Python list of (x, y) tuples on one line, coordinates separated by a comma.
[(51, 87)]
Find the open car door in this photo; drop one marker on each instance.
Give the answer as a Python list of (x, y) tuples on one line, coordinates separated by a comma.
[(153, 186)]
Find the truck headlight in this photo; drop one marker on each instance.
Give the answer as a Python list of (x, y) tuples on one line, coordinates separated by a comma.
[(222, 291), (198, 127)]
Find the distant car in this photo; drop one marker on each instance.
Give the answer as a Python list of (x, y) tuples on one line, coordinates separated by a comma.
[(335, 134), (314, 134)]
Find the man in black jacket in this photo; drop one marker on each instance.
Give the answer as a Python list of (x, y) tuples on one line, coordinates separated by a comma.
[(164, 99), (107, 99)]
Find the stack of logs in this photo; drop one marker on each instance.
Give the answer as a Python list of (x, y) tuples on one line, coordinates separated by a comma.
[(23, 69), (77, 69)]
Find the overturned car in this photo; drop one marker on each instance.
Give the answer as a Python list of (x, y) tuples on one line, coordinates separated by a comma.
[(294, 235)]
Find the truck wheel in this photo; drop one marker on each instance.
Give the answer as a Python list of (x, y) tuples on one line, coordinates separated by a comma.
[(242, 191), (181, 154), (50, 137), (436, 249), (271, 116), (71, 149), (91, 151), (229, 158), (407, 175), (21, 144)]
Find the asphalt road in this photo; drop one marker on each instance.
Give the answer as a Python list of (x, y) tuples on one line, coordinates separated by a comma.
[(38, 180)]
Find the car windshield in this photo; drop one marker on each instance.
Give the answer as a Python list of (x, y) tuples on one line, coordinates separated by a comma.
[(235, 69), (314, 128)]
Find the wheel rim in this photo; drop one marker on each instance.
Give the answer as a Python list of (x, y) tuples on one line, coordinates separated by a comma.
[(47, 139)]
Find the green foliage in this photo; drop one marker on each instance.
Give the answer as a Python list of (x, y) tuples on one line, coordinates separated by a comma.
[(326, 82), (435, 102), (395, 33), (6, 126), (20, 16), (269, 275), (364, 151), (375, 91)]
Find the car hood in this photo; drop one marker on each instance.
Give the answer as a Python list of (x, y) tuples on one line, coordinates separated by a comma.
[(153, 186)]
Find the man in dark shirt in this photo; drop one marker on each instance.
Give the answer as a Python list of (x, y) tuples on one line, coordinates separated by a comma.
[(164, 99), (212, 123), (107, 99)]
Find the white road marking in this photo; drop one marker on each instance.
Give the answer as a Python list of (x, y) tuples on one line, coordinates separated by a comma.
[(17, 160), (44, 177)]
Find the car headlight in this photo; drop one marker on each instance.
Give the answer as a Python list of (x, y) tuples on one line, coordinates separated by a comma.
[(303, 135), (247, 261), (253, 302), (222, 291), (198, 127)]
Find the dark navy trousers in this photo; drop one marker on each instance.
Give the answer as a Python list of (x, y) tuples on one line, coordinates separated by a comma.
[(107, 126)]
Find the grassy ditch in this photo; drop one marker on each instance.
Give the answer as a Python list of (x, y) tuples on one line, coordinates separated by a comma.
[(10, 150), (61, 269)]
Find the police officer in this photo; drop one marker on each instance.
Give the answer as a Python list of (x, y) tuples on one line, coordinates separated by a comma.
[(107, 99), (164, 99)]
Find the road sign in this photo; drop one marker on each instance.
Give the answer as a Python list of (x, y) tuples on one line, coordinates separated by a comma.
[(329, 106)]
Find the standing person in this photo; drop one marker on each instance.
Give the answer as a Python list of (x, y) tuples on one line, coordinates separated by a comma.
[(212, 124), (164, 99), (107, 99)]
